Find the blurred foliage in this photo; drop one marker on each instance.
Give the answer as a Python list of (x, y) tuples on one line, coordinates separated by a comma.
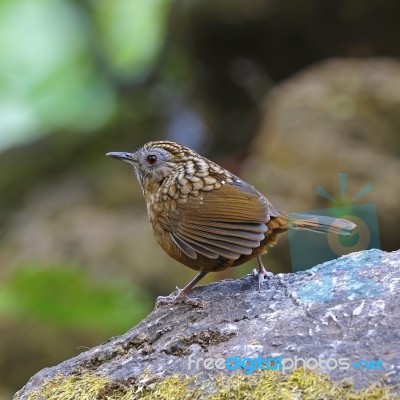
[(56, 58), (130, 33), (66, 297)]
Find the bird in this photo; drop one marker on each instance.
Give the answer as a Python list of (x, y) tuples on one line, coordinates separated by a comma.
[(208, 219)]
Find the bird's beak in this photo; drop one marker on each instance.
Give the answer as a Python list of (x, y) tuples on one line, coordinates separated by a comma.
[(120, 155)]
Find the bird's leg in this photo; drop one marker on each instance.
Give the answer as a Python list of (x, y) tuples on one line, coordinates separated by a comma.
[(182, 297), (261, 273)]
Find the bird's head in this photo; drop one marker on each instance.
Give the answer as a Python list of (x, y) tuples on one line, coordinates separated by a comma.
[(156, 160)]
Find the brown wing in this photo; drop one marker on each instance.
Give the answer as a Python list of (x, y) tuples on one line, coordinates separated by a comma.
[(227, 222)]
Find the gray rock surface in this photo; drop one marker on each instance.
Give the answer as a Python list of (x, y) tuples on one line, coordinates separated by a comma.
[(345, 308)]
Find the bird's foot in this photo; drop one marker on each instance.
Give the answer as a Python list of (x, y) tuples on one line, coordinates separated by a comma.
[(262, 275), (180, 297)]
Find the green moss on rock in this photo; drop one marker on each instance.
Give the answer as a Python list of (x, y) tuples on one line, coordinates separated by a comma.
[(264, 385)]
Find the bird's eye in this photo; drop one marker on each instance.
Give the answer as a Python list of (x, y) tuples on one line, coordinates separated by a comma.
[(152, 159)]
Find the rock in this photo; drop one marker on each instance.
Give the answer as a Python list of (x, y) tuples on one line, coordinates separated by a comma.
[(245, 50), (338, 116), (342, 309)]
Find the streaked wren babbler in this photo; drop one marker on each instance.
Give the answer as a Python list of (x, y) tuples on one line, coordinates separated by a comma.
[(207, 218)]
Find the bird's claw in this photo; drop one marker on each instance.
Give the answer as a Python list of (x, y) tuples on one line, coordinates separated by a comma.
[(178, 298), (262, 275)]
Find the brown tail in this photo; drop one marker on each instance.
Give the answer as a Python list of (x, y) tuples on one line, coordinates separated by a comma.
[(318, 223)]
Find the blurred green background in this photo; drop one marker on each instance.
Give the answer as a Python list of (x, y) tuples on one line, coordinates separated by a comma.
[(285, 95)]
